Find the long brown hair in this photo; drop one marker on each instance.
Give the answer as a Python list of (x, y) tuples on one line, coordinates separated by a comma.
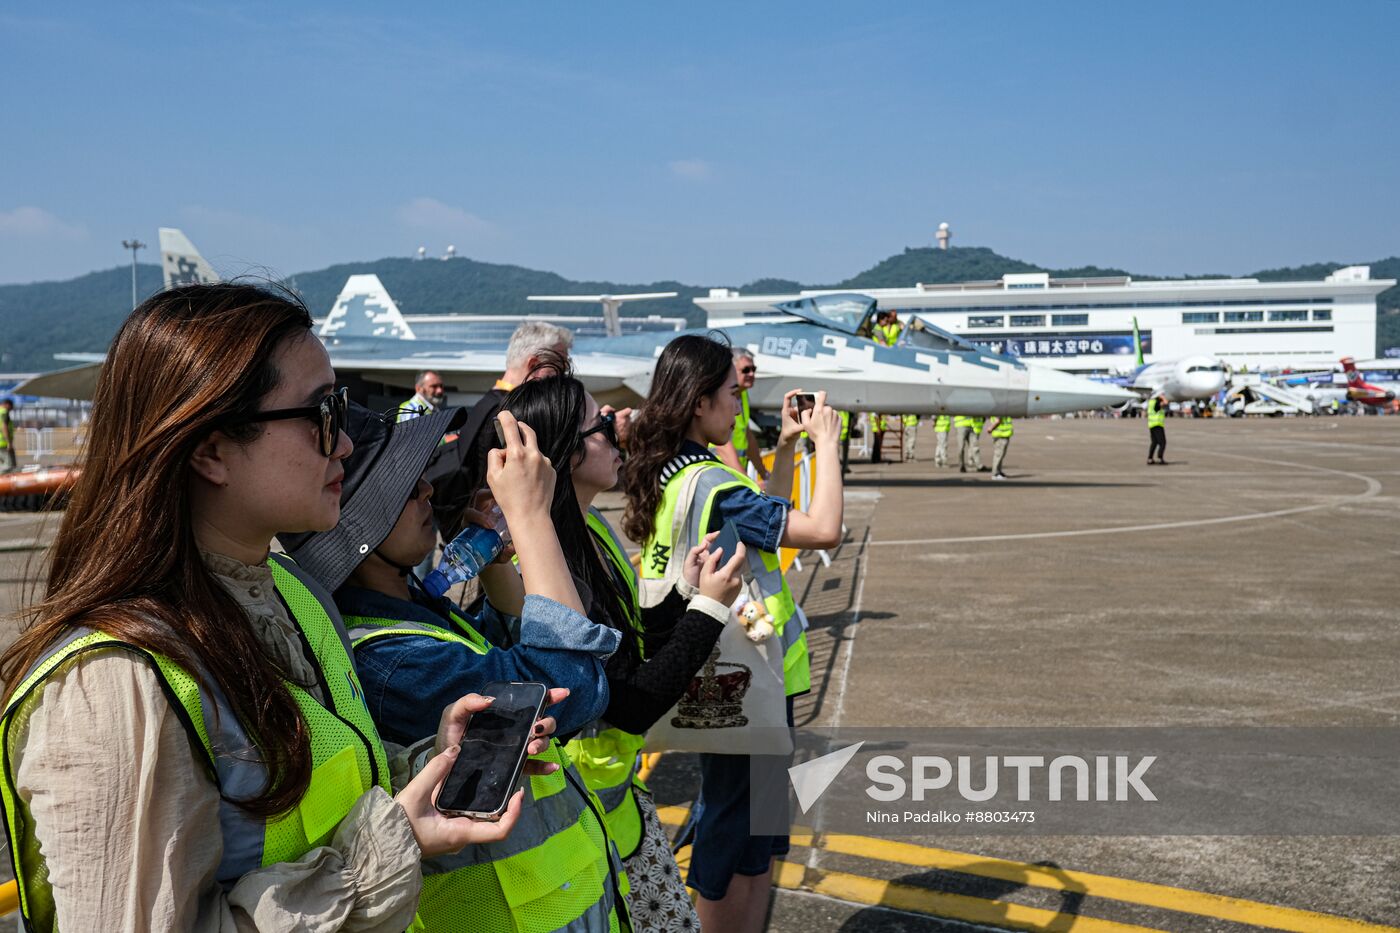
[(691, 367), (186, 362)]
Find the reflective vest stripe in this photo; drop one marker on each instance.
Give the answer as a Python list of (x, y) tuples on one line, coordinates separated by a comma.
[(552, 872)]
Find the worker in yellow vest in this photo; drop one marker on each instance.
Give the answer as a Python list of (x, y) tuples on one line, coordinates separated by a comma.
[(1000, 430), (886, 333), (7, 437), (1157, 429), (940, 432), (743, 451)]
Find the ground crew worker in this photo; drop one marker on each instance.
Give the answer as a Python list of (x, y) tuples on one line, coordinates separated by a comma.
[(7, 437), (974, 444), (1001, 431), (911, 434), (1157, 429), (940, 431), (231, 777), (428, 396), (886, 331), (742, 448), (845, 442)]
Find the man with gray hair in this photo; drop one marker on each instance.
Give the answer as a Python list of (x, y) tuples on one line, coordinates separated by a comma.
[(454, 482)]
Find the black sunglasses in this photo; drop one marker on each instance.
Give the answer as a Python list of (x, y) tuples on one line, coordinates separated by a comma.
[(747, 370), (328, 414), (607, 423)]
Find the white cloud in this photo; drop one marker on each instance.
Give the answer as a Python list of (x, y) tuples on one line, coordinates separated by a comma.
[(691, 169), (36, 223), (434, 216)]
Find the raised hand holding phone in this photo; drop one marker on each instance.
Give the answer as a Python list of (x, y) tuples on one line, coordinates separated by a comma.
[(493, 749)]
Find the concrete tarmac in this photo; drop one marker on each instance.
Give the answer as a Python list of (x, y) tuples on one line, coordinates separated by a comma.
[(1252, 581)]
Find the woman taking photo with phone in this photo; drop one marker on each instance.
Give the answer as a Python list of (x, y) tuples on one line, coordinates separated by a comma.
[(185, 746), (692, 404), (558, 869), (662, 647)]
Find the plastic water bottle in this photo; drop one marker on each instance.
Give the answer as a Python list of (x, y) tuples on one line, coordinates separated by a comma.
[(466, 555)]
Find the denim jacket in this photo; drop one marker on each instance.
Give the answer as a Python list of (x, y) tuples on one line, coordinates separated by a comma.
[(408, 680)]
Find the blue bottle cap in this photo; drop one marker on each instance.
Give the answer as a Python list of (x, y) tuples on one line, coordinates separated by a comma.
[(436, 583)]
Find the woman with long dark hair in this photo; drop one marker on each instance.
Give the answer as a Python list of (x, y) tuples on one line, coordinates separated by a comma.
[(185, 746), (558, 870), (662, 647), (671, 473)]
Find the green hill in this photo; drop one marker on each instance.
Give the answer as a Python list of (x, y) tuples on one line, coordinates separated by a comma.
[(81, 315)]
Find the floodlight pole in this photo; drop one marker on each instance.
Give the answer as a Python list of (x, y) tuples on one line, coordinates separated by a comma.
[(133, 245)]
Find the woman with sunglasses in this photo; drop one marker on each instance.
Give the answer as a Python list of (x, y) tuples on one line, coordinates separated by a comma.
[(558, 869), (693, 401), (184, 742), (662, 648)]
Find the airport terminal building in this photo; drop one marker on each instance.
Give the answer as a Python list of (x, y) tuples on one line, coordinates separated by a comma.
[(1086, 325)]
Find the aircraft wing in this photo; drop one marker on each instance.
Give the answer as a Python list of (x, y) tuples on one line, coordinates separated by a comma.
[(75, 382)]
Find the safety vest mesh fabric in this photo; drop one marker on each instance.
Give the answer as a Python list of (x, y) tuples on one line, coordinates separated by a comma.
[(740, 438), (1004, 428), (962, 421), (1156, 413), (347, 757), (788, 620), (605, 755), (940, 424), (551, 873)]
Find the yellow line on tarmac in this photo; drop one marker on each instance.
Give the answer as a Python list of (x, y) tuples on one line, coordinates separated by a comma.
[(1141, 893), (898, 896)]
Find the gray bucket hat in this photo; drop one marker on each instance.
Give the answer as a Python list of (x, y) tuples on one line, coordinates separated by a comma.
[(380, 475)]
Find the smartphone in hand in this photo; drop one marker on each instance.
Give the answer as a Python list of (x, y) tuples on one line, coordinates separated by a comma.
[(728, 540), (489, 766), (802, 403)]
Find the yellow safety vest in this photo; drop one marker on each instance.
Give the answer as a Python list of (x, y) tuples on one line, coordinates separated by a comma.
[(1003, 428), (940, 424), (1156, 413), (962, 421), (888, 334), (347, 756), (740, 438), (551, 873), (789, 622)]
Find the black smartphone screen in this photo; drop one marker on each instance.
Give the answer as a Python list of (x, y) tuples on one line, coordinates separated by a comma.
[(728, 539), (500, 433), (487, 768), (803, 402)]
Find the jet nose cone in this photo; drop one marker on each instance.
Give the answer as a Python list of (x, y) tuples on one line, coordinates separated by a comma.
[(1050, 392)]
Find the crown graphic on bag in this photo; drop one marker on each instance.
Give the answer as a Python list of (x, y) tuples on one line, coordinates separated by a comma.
[(714, 700)]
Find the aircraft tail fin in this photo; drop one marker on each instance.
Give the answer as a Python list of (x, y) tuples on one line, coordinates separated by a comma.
[(1349, 367), (364, 309), (181, 262), (1137, 343)]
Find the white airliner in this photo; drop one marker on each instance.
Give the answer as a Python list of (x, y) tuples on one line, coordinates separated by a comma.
[(1185, 379)]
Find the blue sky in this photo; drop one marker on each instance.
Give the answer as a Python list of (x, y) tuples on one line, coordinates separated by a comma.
[(711, 143)]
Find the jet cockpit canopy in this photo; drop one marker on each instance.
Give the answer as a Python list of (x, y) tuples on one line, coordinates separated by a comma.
[(847, 312), (920, 333)]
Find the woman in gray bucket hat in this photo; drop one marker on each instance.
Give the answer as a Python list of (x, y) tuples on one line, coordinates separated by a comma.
[(558, 869)]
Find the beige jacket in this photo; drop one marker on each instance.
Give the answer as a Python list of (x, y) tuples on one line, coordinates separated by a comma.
[(127, 818)]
